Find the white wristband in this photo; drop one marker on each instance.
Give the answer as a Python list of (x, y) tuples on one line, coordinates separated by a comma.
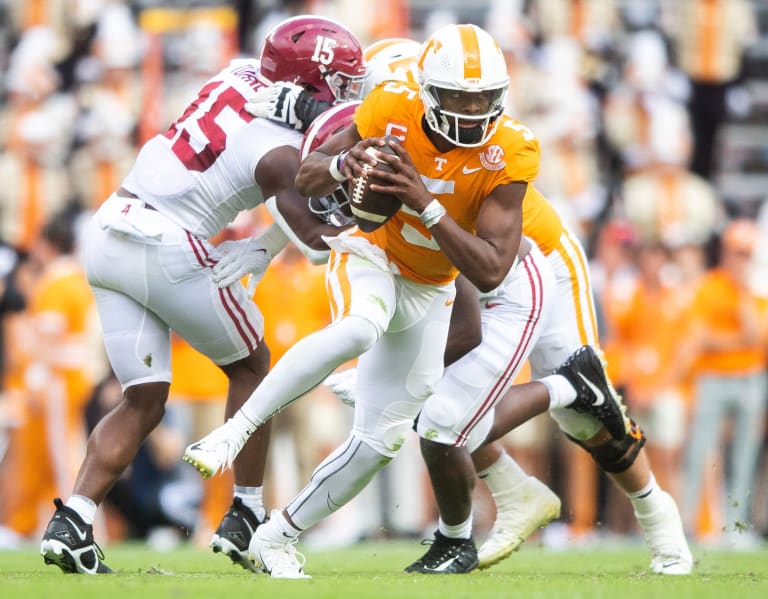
[(273, 239), (335, 167), (432, 214)]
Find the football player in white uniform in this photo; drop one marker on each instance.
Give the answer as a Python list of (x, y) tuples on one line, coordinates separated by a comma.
[(152, 269)]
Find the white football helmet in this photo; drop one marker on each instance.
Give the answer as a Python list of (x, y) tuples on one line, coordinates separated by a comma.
[(462, 66), (391, 58)]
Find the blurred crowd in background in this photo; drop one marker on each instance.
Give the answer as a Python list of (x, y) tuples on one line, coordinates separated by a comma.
[(653, 122)]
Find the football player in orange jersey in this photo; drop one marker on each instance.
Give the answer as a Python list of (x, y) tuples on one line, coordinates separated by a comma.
[(392, 290), (523, 503)]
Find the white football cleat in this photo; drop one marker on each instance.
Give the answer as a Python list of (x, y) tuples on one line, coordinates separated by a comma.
[(342, 383), (664, 535), (280, 560), (217, 450), (519, 512)]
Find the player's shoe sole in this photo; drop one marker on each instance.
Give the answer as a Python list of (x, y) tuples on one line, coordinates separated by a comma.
[(222, 545), (205, 470)]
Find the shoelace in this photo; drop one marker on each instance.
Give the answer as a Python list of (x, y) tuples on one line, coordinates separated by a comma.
[(99, 551), (290, 558), (227, 454), (436, 554), (232, 450)]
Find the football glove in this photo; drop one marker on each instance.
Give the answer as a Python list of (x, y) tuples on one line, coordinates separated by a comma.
[(286, 103), (240, 258)]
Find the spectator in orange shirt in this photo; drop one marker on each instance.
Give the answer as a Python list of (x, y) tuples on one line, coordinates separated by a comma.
[(647, 330), (724, 345)]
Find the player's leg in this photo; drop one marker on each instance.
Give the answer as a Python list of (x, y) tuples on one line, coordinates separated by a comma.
[(226, 326), (394, 378), (247, 510), (624, 459), (363, 298), (68, 541), (138, 347), (465, 397), (523, 503)]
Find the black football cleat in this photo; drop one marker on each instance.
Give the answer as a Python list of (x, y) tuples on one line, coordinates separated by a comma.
[(234, 533), (446, 556), (595, 395), (68, 543)]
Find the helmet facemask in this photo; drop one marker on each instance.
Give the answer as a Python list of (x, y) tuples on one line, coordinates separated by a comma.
[(345, 87), (454, 125), (332, 209)]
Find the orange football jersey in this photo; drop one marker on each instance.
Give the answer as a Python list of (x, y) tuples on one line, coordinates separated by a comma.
[(541, 222), (460, 179)]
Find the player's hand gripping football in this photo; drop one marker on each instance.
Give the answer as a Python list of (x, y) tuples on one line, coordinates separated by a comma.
[(404, 182)]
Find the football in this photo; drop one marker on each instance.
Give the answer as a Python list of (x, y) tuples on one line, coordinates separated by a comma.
[(371, 209)]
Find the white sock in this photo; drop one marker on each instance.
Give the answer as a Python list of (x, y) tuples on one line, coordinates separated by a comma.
[(277, 529), (561, 393), (648, 499), (252, 499), (84, 506), (504, 474), (456, 531)]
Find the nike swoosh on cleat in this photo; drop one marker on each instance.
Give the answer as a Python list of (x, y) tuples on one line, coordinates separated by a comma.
[(445, 565), (599, 395), (80, 533), (670, 564)]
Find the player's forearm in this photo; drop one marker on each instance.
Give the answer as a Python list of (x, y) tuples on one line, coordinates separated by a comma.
[(476, 258), (314, 178)]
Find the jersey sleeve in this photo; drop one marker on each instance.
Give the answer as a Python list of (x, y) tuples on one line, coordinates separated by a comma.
[(524, 155)]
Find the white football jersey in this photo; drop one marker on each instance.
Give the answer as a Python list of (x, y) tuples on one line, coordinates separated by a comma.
[(200, 172)]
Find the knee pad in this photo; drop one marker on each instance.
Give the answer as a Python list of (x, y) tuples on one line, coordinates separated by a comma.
[(444, 422), (359, 332), (617, 456)]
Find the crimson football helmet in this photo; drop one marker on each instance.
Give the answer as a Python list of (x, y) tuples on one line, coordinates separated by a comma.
[(317, 53), (334, 208), (459, 65)]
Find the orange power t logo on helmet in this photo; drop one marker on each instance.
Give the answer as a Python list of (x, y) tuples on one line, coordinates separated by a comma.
[(471, 48), (433, 45)]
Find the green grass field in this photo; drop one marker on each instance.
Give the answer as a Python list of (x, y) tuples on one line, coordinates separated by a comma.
[(373, 570)]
